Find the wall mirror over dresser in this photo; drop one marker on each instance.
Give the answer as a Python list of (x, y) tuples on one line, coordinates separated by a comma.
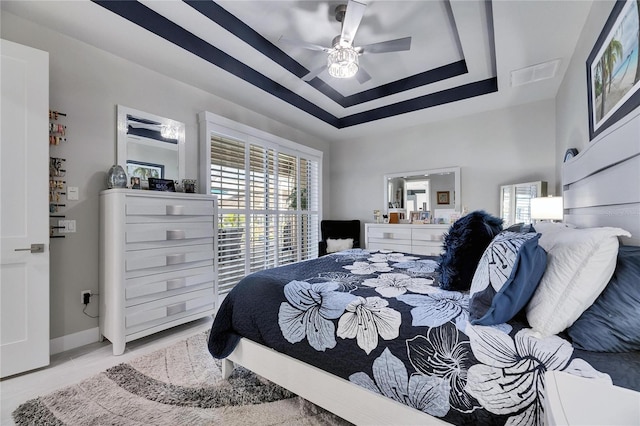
[(424, 190), (149, 145), (420, 206)]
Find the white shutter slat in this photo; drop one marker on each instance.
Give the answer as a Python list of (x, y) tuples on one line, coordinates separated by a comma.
[(268, 207)]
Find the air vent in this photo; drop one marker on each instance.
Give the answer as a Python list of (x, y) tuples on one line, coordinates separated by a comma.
[(539, 72)]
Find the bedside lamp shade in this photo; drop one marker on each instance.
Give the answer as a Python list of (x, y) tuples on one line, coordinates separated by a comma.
[(547, 208)]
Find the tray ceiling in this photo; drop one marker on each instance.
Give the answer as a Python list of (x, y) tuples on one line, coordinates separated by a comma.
[(460, 60)]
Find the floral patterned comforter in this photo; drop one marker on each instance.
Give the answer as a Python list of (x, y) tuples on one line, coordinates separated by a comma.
[(380, 320)]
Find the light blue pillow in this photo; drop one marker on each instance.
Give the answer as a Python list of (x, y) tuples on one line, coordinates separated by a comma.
[(507, 275)]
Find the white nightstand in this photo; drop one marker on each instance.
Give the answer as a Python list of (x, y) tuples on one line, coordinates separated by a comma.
[(573, 400)]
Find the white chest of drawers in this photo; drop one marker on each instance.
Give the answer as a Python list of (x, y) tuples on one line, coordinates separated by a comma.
[(156, 262), (418, 239)]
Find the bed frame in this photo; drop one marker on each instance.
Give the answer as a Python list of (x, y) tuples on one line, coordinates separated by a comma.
[(601, 185), (611, 161), (341, 397)]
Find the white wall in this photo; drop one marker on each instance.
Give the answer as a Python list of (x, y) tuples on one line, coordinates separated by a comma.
[(492, 148), (87, 83)]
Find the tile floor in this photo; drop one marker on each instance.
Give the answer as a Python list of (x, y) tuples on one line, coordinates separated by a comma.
[(72, 366)]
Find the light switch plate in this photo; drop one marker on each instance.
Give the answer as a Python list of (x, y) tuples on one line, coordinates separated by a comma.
[(69, 226), (72, 193)]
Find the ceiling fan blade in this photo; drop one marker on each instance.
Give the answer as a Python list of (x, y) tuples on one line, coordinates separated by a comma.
[(396, 45), (362, 76), (351, 21), (314, 73), (304, 44)]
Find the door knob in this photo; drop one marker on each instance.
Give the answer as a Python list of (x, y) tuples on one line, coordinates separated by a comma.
[(35, 248)]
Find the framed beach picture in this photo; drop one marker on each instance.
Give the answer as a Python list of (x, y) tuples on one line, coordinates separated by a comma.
[(613, 68)]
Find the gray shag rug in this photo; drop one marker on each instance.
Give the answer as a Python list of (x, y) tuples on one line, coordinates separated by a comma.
[(179, 385)]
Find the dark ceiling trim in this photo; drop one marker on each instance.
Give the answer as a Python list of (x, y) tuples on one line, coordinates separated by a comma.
[(218, 14), (418, 80), (152, 21), (244, 32), (454, 94), (149, 19)]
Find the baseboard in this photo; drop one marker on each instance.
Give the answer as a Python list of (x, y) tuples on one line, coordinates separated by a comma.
[(74, 340)]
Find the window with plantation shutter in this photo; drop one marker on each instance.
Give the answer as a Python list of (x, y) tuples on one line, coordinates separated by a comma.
[(268, 202), (515, 201)]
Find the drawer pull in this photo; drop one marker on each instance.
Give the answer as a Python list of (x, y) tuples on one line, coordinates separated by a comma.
[(175, 234), (174, 259), (176, 283), (176, 309), (175, 210), (387, 235)]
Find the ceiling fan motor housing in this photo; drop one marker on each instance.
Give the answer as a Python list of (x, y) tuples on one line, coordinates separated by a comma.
[(337, 41), (340, 11)]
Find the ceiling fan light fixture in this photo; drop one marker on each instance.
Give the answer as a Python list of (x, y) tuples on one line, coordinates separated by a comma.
[(342, 62)]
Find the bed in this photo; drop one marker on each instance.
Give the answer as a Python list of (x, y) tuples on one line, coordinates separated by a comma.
[(373, 336)]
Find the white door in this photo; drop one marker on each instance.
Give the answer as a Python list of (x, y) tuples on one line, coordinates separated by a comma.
[(24, 214)]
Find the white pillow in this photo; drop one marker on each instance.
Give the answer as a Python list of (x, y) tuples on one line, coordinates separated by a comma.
[(546, 227), (580, 263), (339, 244)]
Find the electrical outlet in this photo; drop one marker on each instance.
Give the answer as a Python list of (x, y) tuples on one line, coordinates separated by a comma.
[(86, 297)]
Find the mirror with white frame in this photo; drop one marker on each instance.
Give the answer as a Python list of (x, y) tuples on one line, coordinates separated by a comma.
[(149, 145), (435, 190)]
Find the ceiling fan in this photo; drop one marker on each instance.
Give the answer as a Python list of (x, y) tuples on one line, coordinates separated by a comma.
[(342, 56)]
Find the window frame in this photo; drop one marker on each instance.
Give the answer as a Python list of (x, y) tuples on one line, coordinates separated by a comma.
[(213, 125)]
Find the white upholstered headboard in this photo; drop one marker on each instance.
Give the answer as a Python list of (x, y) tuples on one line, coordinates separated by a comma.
[(601, 185)]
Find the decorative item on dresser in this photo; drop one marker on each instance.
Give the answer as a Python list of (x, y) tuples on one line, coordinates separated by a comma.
[(419, 239), (116, 177), (157, 262)]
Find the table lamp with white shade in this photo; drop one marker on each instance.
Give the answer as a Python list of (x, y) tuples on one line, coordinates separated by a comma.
[(547, 208)]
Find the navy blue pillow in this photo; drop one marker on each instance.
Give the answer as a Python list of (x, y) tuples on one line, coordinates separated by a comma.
[(463, 246), (612, 323), (521, 227), (507, 276)]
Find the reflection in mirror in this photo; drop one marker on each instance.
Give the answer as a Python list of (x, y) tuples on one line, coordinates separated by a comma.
[(515, 201), (436, 191), (150, 145)]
